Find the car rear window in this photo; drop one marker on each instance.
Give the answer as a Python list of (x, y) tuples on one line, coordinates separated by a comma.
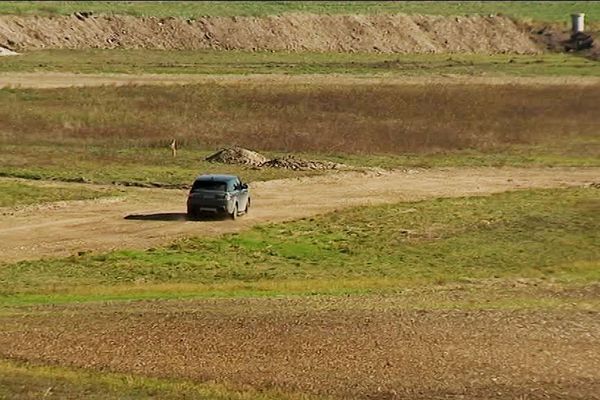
[(209, 185)]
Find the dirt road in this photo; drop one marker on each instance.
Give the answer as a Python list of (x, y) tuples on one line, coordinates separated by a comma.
[(52, 80), (143, 218)]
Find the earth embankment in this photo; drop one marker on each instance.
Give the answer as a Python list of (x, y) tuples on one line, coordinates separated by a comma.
[(395, 33)]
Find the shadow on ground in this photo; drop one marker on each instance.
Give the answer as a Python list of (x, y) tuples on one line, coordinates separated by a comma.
[(158, 217), (175, 216)]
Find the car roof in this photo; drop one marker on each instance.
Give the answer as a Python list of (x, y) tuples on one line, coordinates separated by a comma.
[(217, 177)]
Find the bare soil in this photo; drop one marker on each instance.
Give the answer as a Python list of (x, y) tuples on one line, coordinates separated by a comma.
[(369, 347), (290, 32), (149, 217), (52, 80)]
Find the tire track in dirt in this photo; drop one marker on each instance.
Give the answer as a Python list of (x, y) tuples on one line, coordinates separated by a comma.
[(157, 216)]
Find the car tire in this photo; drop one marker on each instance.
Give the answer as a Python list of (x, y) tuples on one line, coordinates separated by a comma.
[(234, 213), (192, 214), (247, 206)]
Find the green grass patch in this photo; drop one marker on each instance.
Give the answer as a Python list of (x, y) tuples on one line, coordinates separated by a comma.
[(13, 193), (534, 10), (542, 234), (20, 381), (242, 62)]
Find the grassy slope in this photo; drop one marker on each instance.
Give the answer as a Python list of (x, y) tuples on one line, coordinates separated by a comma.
[(14, 193), (20, 381), (238, 62), (534, 10), (544, 234)]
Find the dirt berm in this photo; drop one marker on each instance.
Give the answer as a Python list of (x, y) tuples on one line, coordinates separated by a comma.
[(289, 32)]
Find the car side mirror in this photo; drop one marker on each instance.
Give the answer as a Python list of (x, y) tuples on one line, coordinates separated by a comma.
[(244, 186)]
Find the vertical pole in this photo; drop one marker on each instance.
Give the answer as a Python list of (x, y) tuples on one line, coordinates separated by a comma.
[(577, 22), (174, 147)]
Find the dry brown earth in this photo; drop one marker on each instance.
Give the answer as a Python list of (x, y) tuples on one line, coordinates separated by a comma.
[(50, 80), (369, 347), (156, 216), (290, 32)]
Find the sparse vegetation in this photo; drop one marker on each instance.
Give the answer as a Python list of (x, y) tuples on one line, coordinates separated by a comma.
[(68, 133), (17, 193), (127, 129), (306, 118), (240, 62), (19, 381)]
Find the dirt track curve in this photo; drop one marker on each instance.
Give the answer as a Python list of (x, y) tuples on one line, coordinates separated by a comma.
[(148, 217)]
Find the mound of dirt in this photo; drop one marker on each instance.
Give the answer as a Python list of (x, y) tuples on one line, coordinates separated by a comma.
[(238, 155), (296, 164), (395, 33)]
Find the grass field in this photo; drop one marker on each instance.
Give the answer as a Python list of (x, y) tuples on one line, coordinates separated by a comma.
[(483, 297), (239, 62), (325, 118), (115, 134), (550, 235), (555, 11), (17, 193)]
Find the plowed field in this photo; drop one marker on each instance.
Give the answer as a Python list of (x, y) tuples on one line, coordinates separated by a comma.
[(355, 347)]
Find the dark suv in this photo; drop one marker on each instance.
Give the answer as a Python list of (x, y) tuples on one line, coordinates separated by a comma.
[(218, 194)]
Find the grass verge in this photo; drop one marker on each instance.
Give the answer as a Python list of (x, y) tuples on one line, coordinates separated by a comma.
[(534, 10), (239, 62), (19, 380), (550, 235), (13, 193)]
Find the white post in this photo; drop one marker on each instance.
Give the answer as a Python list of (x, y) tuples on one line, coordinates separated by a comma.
[(577, 21)]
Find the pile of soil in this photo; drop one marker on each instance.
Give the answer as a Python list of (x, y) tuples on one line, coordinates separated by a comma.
[(397, 33), (296, 164), (558, 39), (239, 155)]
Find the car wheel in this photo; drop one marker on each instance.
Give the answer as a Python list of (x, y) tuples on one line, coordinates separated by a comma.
[(247, 206), (234, 213), (192, 214)]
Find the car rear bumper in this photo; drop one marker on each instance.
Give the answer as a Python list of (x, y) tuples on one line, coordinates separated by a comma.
[(216, 206)]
